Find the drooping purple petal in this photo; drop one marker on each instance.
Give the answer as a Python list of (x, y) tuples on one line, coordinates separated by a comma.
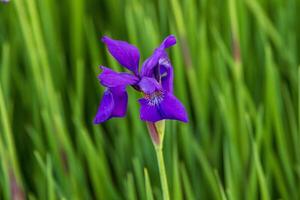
[(148, 112), (106, 107), (149, 85), (172, 108), (113, 104), (159, 53), (169, 108), (110, 78), (120, 100), (126, 54)]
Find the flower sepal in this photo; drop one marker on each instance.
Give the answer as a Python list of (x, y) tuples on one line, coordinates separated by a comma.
[(157, 131)]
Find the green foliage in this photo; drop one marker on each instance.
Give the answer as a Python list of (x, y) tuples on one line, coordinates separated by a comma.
[(236, 71)]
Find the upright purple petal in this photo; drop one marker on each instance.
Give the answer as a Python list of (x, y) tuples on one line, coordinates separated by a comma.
[(159, 53), (151, 62), (167, 76), (113, 104), (110, 78), (126, 54), (168, 41)]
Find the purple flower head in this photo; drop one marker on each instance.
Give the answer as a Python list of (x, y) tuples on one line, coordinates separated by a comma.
[(154, 81)]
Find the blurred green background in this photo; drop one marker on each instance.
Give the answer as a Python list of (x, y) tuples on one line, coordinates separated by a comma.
[(236, 71)]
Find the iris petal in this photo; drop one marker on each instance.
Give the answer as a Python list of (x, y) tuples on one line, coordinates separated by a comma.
[(168, 41), (172, 108), (149, 85), (126, 54), (151, 62), (167, 76), (113, 104), (110, 78), (120, 100), (105, 109), (149, 113), (159, 53), (168, 108)]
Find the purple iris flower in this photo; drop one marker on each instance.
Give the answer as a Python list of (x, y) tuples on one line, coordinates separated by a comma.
[(154, 81)]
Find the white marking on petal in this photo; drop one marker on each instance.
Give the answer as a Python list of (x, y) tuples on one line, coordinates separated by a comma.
[(155, 98), (163, 61)]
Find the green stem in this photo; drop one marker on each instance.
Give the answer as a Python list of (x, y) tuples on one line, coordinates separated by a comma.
[(157, 132), (162, 173)]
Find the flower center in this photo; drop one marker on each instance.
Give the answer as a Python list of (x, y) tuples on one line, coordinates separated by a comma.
[(155, 98)]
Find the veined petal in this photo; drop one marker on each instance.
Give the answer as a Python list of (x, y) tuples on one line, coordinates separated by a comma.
[(159, 53), (172, 108), (126, 54), (148, 112), (169, 107), (110, 78), (113, 104)]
